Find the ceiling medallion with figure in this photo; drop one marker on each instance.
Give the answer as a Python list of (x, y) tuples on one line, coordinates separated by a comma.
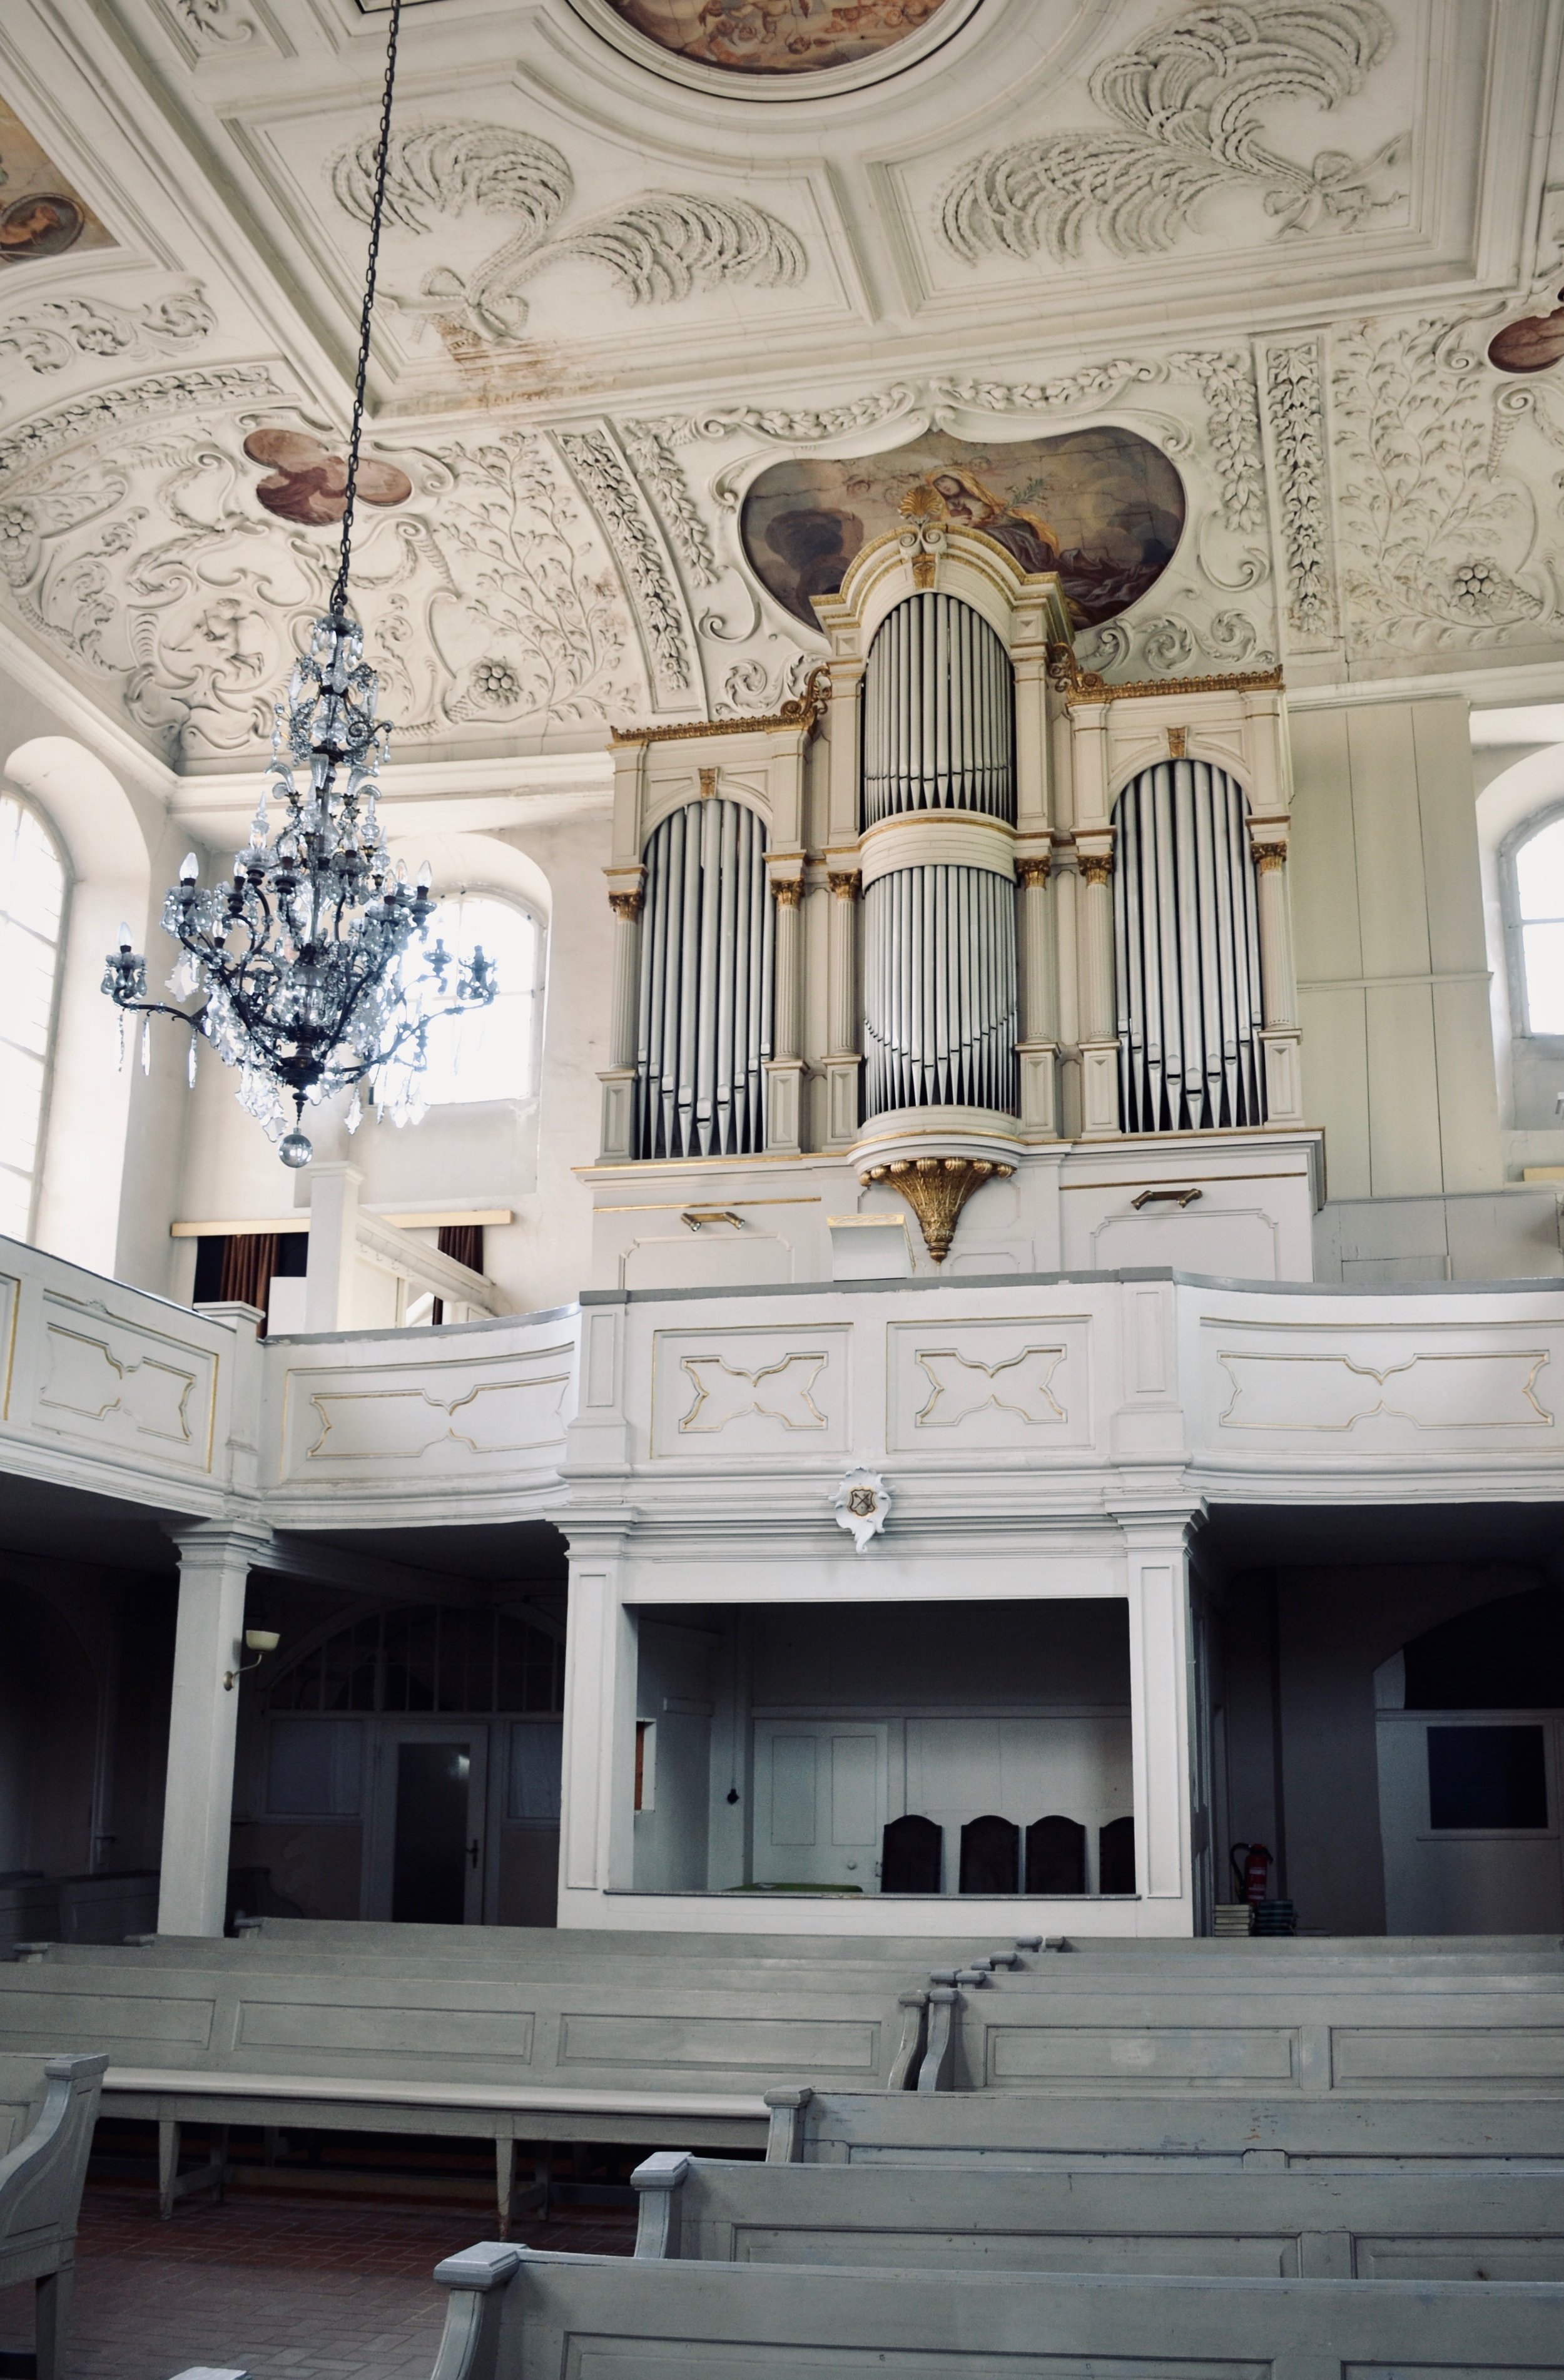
[(763, 47)]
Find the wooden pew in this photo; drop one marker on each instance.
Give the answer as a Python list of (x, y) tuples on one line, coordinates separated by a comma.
[(1242, 2133), (41, 2196), (516, 2314), (572, 2053), (1445, 2226), (1098, 2024)]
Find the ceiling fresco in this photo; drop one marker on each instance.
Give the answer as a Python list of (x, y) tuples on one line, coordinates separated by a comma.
[(1102, 507), (776, 37), (40, 214), (1248, 319)]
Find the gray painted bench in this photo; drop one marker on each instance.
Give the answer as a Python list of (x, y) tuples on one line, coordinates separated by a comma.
[(1197, 2130), (672, 2054), (1504, 2226), (1097, 2025), (40, 2198), (516, 2314)]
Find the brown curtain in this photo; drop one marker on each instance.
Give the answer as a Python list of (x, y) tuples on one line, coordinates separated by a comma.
[(248, 1261), (464, 1241)]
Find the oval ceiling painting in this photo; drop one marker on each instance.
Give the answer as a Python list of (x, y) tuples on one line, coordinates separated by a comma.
[(776, 37), (1101, 507)]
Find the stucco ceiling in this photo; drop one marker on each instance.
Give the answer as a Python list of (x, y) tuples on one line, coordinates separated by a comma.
[(620, 281)]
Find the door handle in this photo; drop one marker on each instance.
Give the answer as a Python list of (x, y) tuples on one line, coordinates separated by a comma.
[(472, 1850)]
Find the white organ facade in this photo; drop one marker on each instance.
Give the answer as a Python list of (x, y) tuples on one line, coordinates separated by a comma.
[(983, 1320)]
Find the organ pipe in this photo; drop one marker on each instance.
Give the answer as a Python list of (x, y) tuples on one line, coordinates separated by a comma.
[(704, 1021), (939, 968), (1187, 945), (939, 715)]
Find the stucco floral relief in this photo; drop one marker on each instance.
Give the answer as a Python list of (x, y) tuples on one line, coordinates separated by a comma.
[(490, 599)]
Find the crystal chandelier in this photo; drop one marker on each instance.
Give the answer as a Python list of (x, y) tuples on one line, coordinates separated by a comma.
[(314, 969)]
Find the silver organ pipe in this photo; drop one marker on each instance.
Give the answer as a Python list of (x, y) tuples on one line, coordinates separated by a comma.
[(940, 973), (704, 1019), (1187, 946), (939, 715)]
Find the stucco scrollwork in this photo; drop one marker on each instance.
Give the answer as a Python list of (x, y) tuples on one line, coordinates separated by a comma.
[(650, 447), (612, 489), (1440, 542), (1186, 106), (1295, 399), (53, 333), (809, 425), (661, 246), (143, 560)]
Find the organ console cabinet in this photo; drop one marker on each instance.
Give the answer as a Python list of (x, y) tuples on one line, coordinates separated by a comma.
[(959, 912)]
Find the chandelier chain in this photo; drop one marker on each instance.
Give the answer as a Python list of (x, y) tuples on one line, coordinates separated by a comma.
[(382, 157)]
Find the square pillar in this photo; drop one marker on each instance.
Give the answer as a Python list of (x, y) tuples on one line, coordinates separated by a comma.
[(334, 1247), (596, 1813), (215, 1558), (1157, 1563)]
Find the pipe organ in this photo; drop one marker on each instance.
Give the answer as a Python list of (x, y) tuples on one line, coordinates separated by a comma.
[(940, 997), (1186, 953), (704, 1014), (962, 915)]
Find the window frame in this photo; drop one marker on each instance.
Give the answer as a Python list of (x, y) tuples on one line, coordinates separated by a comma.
[(502, 897), (1513, 844), (10, 793)]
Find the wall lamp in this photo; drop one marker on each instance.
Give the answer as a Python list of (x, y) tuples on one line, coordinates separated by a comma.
[(259, 1641)]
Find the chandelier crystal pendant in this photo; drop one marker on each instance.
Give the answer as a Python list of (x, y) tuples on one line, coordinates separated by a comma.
[(314, 968)]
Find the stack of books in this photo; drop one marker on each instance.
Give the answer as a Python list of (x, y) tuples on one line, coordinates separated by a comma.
[(1228, 1918)]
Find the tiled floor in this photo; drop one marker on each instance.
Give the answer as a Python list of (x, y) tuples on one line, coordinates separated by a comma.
[(318, 2289)]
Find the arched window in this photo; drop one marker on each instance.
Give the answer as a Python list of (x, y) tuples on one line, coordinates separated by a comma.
[(1539, 902), (32, 899), (492, 1052)]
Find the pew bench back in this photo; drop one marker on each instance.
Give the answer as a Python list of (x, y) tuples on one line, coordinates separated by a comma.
[(527, 2315), (1242, 2133), (1282, 2226)]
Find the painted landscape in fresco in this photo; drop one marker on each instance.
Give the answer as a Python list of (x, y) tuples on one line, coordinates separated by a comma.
[(768, 37), (1101, 507)]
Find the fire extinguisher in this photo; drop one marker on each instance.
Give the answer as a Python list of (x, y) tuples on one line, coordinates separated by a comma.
[(1251, 1868)]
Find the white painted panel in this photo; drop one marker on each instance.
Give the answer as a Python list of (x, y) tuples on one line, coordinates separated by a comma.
[(854, 1790), (820, 1802), (793, 1766), (960, 1385)]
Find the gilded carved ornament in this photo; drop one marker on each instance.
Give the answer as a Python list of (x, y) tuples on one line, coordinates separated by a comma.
[(805, 710), (626, 906), (1268, 855), (788, 890), (937, 1188), (845, 882), (1096, 867), (1035, 873)]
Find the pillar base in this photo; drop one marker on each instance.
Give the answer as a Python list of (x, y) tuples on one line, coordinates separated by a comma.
[(841, 1075), (1099, 1091), (1040, 1088), (618, 1113), (784, 1106), (1284, 1085)]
